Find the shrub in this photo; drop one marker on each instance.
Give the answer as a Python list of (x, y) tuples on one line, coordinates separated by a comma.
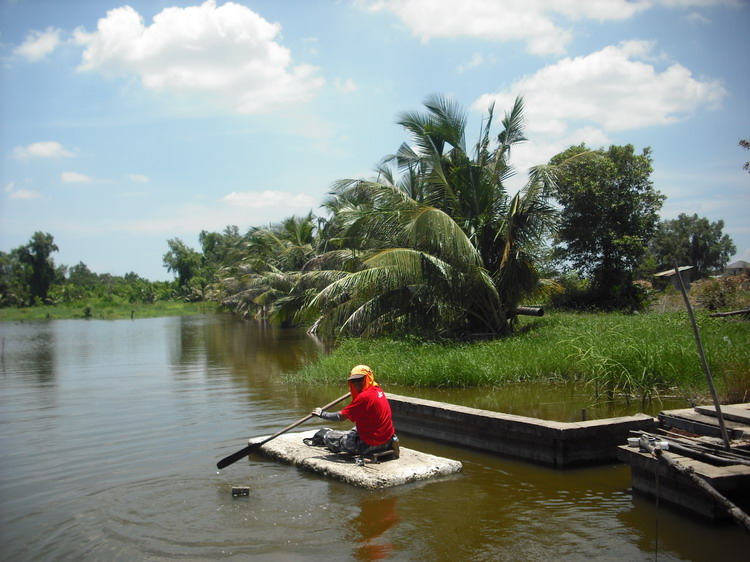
[(715, 294), (573, 295)]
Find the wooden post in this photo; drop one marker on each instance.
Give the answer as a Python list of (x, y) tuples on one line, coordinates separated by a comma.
[(706, 370)]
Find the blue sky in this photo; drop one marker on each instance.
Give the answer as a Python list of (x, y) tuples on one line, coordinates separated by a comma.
[(123, 125)]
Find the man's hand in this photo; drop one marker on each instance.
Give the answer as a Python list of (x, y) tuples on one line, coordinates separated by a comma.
[(317, 412)]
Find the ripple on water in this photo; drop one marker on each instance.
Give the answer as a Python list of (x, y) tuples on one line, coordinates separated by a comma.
[(172, 517)]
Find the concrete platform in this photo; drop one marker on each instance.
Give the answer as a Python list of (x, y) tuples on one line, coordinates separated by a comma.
[(412, 466), (557, 444)]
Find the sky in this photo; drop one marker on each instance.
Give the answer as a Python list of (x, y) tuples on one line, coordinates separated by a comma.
[(127, 123)]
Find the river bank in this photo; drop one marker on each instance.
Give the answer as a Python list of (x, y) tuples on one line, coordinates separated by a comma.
[(104, 309), (634, 357)]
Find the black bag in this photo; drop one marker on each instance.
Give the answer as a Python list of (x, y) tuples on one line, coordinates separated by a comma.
[(317, 439)]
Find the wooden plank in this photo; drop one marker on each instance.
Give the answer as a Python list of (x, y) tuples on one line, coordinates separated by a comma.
[(700, 424), (737, 412)]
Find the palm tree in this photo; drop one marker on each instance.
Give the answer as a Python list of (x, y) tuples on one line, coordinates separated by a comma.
[(446, 247), (262, 282)]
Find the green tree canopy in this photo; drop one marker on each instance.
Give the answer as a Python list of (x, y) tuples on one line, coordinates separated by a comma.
[(443, 247), (39, 272), (81, 276), (266, 274), (692, 240), (221, 249), (610, 209), (182, 260)]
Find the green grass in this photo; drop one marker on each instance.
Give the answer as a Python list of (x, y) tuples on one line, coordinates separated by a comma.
[(103, 309), (631, 356)]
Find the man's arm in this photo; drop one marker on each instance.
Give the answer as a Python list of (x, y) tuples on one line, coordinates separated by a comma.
[(328, 416)]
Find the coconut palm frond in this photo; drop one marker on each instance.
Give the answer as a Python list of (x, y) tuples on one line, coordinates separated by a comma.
[(344, 260), (437, 233), (513, 126), (405, 261), (482, 154), (421, 128), (376, 315), (406, 157), (449, 120)]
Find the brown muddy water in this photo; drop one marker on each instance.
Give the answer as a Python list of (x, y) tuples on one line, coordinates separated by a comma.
[(110, 432)]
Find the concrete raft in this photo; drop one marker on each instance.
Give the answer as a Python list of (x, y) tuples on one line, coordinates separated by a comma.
[(412, 466)]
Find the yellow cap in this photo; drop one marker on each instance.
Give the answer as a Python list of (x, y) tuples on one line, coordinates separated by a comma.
[(360, 371)]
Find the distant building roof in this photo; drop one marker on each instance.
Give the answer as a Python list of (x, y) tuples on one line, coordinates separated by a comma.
[(741, 264), (670, 272)]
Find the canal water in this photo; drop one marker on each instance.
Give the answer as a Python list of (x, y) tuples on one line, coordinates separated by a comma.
[(110, 432)]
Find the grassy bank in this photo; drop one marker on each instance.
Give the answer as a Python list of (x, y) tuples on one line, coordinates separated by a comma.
[(104, 310), (638, 356)]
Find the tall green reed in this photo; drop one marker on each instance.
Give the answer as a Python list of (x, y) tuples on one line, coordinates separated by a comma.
[(633, 356)]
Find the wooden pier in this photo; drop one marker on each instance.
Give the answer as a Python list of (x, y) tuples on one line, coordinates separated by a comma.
[(687, 464)]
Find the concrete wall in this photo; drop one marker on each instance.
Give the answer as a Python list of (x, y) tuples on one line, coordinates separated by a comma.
[(557, 444)]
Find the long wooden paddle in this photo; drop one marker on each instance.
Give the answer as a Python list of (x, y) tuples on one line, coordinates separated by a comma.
[(233, 458)]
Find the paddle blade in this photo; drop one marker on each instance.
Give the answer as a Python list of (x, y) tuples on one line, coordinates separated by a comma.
[(234, 457)]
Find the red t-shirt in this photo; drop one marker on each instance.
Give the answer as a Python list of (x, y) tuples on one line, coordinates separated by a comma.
[(371, 413)]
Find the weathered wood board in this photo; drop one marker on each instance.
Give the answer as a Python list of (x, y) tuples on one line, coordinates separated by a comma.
[(735, 412)]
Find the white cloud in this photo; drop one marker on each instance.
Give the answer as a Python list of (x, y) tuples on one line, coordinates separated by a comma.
[(541, 148), (612, 89), (47, 149), (228, 52), (269, 198), (583, 99), (75, 177), (38, 44), (14, 193), (697, 19), (699, 3), (346, 86), (139, 178), (476, 60), (24, 194), (311, 45), (532, 21)]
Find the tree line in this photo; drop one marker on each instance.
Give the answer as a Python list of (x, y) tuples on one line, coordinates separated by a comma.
[(436, 243), (29, 277)]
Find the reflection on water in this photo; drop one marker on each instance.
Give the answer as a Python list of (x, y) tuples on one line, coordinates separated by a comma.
[(378, 513), (110, 432), (564, 402)]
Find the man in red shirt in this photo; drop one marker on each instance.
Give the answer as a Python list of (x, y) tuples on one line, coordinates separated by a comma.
[(371, 414)]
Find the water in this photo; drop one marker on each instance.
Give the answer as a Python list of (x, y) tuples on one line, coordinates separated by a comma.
[(111, 430)]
